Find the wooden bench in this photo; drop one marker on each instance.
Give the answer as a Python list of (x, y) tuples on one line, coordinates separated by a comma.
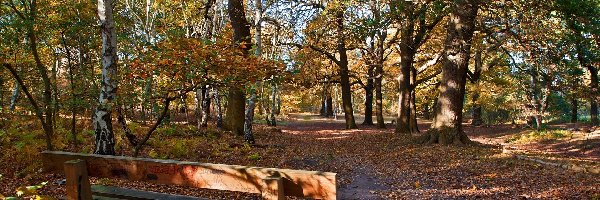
[(271, 183)]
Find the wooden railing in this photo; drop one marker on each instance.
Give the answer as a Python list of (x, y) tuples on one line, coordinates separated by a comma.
[(271, 183)]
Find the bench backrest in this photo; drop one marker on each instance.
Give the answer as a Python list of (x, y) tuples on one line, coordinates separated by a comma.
[(313, 184)]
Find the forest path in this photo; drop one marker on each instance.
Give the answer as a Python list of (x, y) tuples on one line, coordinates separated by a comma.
[(359, 178), (364, 184)]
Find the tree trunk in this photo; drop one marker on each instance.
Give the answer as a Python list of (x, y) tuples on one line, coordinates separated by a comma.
[(133, 141), (344, 73), (234, 119), (379, 99), (278, 110), (329, 105), (263, 105), (105, 142), (55, 106), (369, 97), (574, 107), (594, 94), (273, 104), (447, 125), (377, 60), (248, 135), (475, 78), (205, 106), (414, 125), (323, 110), (403, 120), (538, 121), (407, 55), (72, 86), (586, 62), (199, 93), (47, 92), (477, 111), (219, 122), (14, 97), (535, 99)]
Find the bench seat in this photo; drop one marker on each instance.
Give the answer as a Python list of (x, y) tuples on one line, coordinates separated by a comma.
[(101, 192)]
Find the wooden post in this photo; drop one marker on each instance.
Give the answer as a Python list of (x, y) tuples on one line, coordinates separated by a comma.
[(78, 183), (273, 189)]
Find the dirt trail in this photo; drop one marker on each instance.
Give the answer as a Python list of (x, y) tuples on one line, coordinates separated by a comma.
[(362, 181), (364, 185)]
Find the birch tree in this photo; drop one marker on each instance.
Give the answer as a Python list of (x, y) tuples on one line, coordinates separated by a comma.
[(105, 141)]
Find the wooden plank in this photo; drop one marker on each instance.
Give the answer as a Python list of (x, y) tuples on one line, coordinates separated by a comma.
[(101, 191), (274, 189), (313, 184), (78, 183)]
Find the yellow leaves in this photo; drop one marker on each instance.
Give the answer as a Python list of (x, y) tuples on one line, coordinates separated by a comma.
[(43, 197), (491, 176), (153, 154), (473, 187), (25, 191), (417, 184)]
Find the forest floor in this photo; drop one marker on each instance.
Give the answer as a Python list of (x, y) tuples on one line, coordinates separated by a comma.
[(370, 163)]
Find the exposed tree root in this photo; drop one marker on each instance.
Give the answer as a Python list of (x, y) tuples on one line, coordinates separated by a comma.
[(445, 135)]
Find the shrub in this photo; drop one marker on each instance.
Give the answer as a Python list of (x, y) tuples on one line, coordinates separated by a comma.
[(166, 130), (179, 149), (541, 135)]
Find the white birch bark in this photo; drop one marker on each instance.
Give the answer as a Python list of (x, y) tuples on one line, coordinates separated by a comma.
[(248, 135), (102, 118), (14, 97)]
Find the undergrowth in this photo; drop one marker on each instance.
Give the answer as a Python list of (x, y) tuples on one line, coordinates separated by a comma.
[(539, 135)]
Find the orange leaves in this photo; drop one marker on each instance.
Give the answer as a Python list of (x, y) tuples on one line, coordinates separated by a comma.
[(182, 62), (165, 62)]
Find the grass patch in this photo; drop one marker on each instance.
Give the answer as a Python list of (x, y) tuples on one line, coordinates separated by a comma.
[(254, 156), (539, 135)]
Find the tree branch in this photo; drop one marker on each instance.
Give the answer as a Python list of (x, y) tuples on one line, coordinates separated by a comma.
[(162, 116), (317, 49), (422, 80), (36, 107), (429, 63)]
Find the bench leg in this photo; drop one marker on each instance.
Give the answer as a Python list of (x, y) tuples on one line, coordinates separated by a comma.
[(273, 189), (78, 183)]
